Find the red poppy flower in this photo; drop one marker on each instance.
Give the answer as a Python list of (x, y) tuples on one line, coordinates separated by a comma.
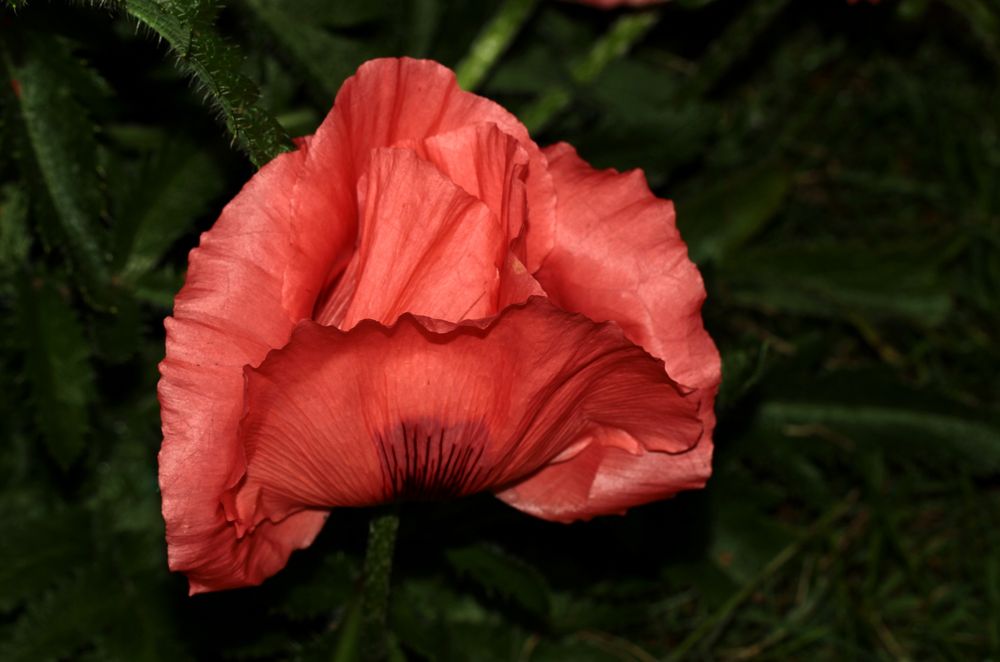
[(418, 302)]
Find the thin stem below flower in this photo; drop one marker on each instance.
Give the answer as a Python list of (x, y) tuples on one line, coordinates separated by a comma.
[(377, 572)]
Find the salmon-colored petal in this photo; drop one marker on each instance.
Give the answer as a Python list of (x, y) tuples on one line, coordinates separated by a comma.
[(253, 277), (618, 256), (399, 101), (516, 284), (493, 167), (425, 246), (428, 409), (284, 240), (416, 197), (605, 480), (488, 164)]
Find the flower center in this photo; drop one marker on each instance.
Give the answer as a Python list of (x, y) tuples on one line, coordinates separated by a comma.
[(429, 461)]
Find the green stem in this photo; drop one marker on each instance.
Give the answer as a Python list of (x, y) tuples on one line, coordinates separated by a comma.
[(615, 43), (217, 66), (494, 39), (377, 571)]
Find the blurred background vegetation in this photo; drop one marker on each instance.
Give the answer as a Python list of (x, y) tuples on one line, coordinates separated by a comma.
[(836, 169)]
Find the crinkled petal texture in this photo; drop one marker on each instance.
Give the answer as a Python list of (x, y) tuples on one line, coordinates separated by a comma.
[(428, 410), (419, 302), (618, 256), (232, 310), (279, 252)]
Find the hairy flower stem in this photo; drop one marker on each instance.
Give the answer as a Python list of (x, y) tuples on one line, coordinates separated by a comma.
[(377, 571)]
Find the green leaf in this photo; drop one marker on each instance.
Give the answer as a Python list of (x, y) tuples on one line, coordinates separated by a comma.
[(572, 612), (422, 23), (187, 25), (623, 34), (742, 368), (722, 218), (158, 287), (869, 409), (64, 621), (57, 364), (60, 153), (526, 72), (123, 493), (34, 544), (319, 593), (492, 41), (175, 188), (97, 612), (117, 333), (936, 434), (827, 279), (635, 118), (500, 574), (349, 635), (744, 537), (432, 619), (325, 58), (14, 239)]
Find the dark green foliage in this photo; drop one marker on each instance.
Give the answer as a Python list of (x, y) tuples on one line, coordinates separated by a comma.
[(57, 365), (56, 146), (63, 621), (718, 221), (15, 240), (176, 184), (316, 55), (35, 544), (834, 169), (503, 576), (840, 279), (186, 25)]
